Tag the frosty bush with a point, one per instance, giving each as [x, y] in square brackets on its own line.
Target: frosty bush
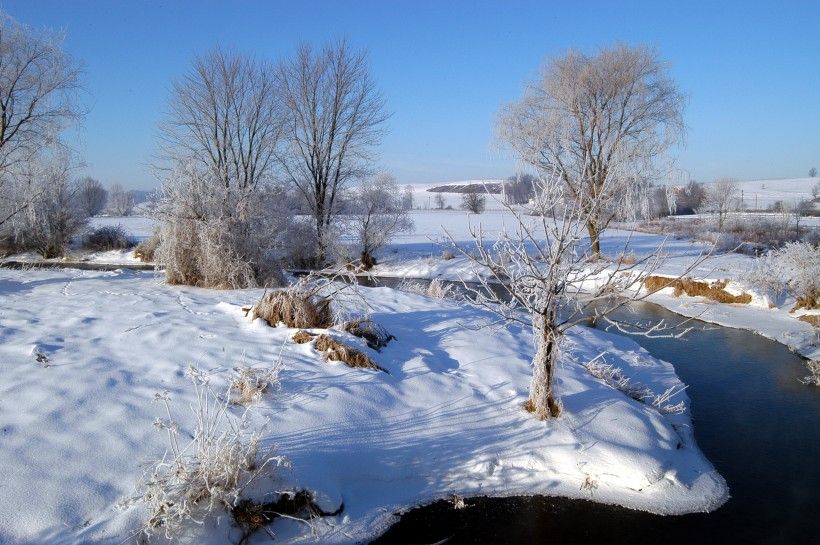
[437, 288]
[793, 269]
[212, 236]
[208, 474]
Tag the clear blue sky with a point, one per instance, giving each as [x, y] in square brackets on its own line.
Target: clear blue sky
[751, 71]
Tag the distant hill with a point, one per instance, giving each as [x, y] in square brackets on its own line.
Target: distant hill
[469, 186]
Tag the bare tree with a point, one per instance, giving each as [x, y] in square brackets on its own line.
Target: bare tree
[38, 87]
[92, 196]
[722, 197]
[812, 172]
[439, 200]
[378, 216]
[815, 191]
[540, 273]
[335, 115]
[600, 122]
[121, 202]
[473, 202]
[221, 138]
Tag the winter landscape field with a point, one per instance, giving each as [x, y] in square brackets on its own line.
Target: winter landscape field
[322, 287]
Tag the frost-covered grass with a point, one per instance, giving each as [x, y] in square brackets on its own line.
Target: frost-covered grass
[446, 420]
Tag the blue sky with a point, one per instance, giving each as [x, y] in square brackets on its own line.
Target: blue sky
[751, 71]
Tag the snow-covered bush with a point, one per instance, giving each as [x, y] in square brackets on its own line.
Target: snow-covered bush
[214, 236]
[793, 269]
[108, 237]
[208, 474]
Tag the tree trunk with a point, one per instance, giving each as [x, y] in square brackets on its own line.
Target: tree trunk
[594, 239]
[542, 400]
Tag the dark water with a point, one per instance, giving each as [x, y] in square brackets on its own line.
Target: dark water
[757, 424]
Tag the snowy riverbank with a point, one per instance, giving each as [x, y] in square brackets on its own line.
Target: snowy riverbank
[80, 373]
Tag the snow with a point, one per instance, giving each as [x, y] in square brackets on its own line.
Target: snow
[83, 352]
[761, 194]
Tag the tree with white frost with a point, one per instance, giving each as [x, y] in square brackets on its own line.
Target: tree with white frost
[334, 119]
[378, 214]
[39, 83]
[121, 201]
[601, 122]
[220, 138]
[439, 200]
[540, 273]
[722, 197]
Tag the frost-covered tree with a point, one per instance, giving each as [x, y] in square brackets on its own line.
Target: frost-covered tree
[378, 214]
[121, 201]
[540, 273]
[474, 202]
[57, 214]
[602, 122]
[812, 172]
[334, 118]
[815, 191]
[92, 196]
[39, 83]
[722, 197]
[221, 139]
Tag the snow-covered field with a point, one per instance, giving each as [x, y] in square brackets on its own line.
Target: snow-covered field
[761, 194]
[84, 352]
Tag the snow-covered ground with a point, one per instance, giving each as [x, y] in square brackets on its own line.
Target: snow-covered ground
[83, 353]
[761, 194]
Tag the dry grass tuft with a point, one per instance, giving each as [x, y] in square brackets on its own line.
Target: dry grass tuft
[302, 337]
[809, 300]
[294, 309]
[372, 333]
[337, 351]
[714, 291]
[145, 250]
[813, 319]
[251, 383]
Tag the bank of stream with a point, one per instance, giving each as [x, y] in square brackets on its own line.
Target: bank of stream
[753, 419]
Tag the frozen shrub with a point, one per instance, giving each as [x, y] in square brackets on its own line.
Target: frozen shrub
[793, 269]
[294, 307]
[209, 474]
[447, 255]
[112, 237]
[212, 236]
[146, 249]
[436, 288]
